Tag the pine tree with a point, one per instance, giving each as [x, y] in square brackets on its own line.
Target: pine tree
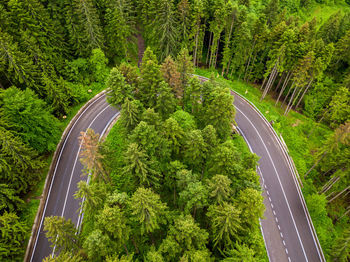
[147, 209]
[219, 112]
[219, 187]
[85, 30]
[90, 155]
[151, 78]
[166, 103]
[172, 76]
[29, 117]
[173, 132]
[98, 245]
[185, 68]
[185, 21]
[118, 88]
[13, 234]
[61, 233]
[329, 31]
[183, 235]
[165, 29]
[225, 224]
[139, 166]
[197, 30]
[131, 113]
[194, 151]
[341, 247]
[119, 27]
[17, 159]
[194, 197]
[250, 202]
[113, 221]
[15, 65]
[9, 201]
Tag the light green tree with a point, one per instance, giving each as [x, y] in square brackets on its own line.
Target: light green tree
[61, 233]
[225, 224]
[13, 234]
[118, 88]
[219, 187]
[147, 209]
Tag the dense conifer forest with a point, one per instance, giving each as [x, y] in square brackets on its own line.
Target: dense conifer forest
[162, 175]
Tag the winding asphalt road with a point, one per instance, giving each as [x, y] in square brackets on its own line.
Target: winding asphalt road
[286, 227]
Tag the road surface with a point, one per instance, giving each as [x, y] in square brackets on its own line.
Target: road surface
[286, 228]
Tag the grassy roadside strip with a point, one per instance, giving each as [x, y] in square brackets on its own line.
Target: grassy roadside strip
[295, 131]
[32, 199]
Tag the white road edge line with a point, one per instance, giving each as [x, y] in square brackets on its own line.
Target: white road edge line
[54, 174]
[262, 231]
[75, 162]
[309, 221]
[307, 215]
[81, 215]
[279, 180]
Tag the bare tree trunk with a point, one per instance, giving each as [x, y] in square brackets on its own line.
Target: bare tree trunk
[318, 161]
[302, 96]
[135, 245]
[268, 82]
[347, 211]
[196, 45]
[217, 53]
[263, 83]
[248, 63]
[285, 84]
[290, 101]
[285, 98]
[294, 100]
[227, 44]
[228, 65]
[271, 83]
[211, 35]
[126, 250]
[339, 194]
[251, 68]
[280, 81]
[329, 184]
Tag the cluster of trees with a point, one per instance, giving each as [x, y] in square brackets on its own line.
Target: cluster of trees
[53, 52]
[181, 190]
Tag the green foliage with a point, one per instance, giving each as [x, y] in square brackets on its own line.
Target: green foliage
[61, 233]
[219, 112]
[13, 234]
[147, 209]
[98, 64]
[118, 89]
[323, 224]
[97, 245]
[225, 224]
[28, 116]
[131, 113]
[184, 235]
